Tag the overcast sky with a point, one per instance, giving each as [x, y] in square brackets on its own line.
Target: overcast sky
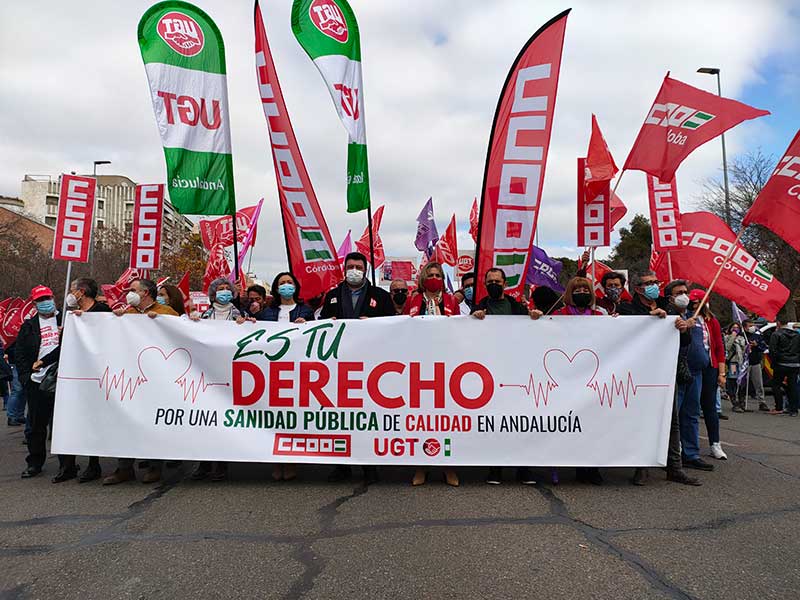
[73, 90]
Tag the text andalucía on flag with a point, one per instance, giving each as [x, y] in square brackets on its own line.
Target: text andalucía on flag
[517, 157]
[309, 245]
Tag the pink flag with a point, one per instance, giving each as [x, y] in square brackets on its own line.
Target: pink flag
[346, 247]
[248, 239]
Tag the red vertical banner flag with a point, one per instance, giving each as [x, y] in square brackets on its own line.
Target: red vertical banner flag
[777, 206]
[311, 253]
[148, 219]
[681, 119]
[73, 235]
[594, 214]
[362, 245]
[446, 251]
[473, 221]
[665, 214]
[517, 157]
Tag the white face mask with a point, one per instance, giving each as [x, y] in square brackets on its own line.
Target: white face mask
[72, 301]
[133, 298]
[751, 330]
[354, 276]
[681, 301]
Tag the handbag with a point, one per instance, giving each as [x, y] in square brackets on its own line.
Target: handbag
[683, 375]
[49, 380]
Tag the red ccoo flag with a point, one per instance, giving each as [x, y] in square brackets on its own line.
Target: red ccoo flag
[681, 119]
[777, 207]
[600, 166]
[706, 242]
[362, 245]
[446, 251]
[618, 210]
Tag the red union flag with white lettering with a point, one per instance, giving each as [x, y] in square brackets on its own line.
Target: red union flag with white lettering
[220, 231]
[681, 119]
[665, 214]
[778, 205]
[312, 255]
[148, 218]
[73, 234]
[706, 243]
[517, 156]
[594, 214]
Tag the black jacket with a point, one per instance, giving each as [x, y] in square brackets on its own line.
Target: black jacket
[375, 302]
[517, 308]
[784, 347]
[27, 347]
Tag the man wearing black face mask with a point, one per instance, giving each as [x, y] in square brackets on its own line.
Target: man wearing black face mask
[497, 303]
[399, 291]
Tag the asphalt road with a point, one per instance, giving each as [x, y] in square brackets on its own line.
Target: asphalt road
[737, 536]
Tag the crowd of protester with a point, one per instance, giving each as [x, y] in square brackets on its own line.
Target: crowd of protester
[711, 365]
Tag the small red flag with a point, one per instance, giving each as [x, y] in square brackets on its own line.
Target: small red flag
[183, 286]
[681, 119]
[473, 221]
[446, 251]
[362, 245]
[618, 209]
[600, 166]
[777, 207]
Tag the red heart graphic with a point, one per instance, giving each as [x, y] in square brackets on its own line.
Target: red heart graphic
[154, 358]
[555, 367]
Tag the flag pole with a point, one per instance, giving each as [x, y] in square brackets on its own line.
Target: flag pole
[371, 242]
[66, 287]
[616, 185]
[669, 266]
[719, 272]
[236, 251]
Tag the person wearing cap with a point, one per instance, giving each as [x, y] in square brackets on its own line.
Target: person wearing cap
[38, 337]
[142, 299]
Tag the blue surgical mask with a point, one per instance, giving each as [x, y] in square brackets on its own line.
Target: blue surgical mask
[224, 296]
[286, 290]
[469, 293]
[651, 291]
[161, 300]
[46, 307]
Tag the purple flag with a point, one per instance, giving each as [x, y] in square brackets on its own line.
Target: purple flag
[543, 270]
[427, 236]
[346, 247]
[248, 239]
[738, 315]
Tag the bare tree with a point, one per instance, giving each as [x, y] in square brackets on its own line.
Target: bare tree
[748, 173]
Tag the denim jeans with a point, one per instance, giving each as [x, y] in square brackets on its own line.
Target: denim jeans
[689, 416]
[16, 401]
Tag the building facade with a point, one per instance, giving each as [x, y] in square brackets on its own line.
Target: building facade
[115, 199]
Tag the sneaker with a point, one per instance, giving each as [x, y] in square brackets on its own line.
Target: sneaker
[717, 452]
[698, 463]
[723, 417]
[679, 476]
[763, 407]
[776, 411]
[120, 476]
[525, 477]
[737, 409]
[495, 476]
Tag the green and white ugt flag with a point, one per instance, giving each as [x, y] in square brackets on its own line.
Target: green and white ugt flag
[184, 58]
[327, 30]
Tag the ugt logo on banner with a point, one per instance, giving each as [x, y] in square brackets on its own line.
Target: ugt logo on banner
[73, 235]
[148, 217]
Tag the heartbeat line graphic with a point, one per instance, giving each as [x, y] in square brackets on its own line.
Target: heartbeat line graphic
[540, 391]
[621, 388]
[126, 386]
[191, 387]
[557, 364]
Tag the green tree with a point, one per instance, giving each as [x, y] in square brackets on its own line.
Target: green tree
[191, 256]
[632, 252]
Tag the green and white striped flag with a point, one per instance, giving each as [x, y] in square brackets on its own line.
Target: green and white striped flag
[184, 57]
[327, 30]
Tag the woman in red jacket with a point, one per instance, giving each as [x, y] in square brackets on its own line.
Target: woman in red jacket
[713, 375]
[579, 302]
[430, 299]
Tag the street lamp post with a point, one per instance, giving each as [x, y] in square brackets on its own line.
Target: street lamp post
[94, 217]
[715, 71]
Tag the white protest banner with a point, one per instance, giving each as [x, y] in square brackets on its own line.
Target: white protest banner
[563, 391]
[148, 220]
